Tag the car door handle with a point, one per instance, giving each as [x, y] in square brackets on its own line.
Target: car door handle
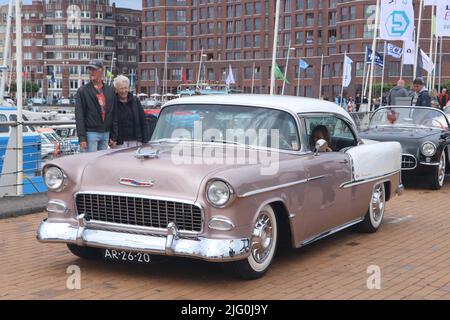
[344, 162]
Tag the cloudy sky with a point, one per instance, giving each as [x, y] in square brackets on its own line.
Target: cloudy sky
[134, 4]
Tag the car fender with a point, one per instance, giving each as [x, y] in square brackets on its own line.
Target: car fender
[375, 160]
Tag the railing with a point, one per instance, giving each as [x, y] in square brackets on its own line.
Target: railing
[35, 153]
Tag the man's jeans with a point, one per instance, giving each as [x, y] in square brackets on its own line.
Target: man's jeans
[97, 141]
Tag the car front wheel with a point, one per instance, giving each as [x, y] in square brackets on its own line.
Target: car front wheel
[375, 214]
[438, 176]
[263, 244]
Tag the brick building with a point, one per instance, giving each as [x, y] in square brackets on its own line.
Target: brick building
[58, 47]
[240, 33]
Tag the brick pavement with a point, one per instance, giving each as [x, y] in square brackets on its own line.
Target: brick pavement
[411, 248]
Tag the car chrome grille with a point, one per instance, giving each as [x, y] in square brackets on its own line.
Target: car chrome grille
[409, 162]
[142, 212]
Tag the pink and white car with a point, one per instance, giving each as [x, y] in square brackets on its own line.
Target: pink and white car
[224, 179]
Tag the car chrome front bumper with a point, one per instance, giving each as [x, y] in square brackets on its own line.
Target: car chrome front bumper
[215, 250]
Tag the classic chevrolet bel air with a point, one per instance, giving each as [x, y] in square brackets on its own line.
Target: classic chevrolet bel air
[224, 179]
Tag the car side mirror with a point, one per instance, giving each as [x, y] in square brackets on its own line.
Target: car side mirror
[321, 146]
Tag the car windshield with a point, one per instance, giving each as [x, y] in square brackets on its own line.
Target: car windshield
[250, 126]
[409, 117]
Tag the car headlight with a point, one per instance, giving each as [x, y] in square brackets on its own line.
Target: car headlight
[219, 193]
[428, 149]
[54, 178]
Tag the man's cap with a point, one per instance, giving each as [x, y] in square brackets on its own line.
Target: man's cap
[96, 64]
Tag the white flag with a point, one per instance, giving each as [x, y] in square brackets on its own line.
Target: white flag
[230, 78]
[427, 64]
[410, 52]
[443, 18]
[394, 51]
[347, 74]
[397, 20]
[430, 3]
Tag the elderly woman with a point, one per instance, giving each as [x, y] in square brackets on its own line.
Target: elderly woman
[133, 129]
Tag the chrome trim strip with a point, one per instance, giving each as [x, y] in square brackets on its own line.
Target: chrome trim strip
[330, 232]
[431, 164]
[355, 183]
[214, 250]
[280, 186]
[131, 227]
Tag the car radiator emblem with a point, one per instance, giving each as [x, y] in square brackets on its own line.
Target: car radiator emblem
[136, 183]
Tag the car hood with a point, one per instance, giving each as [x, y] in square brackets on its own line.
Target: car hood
[400, 134]
[172, 175]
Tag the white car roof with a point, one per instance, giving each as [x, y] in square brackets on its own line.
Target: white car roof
[289, 103]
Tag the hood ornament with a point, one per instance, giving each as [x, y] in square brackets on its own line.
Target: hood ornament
[135, 183]
[152, 154]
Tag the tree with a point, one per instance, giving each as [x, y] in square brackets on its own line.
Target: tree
[27, 86]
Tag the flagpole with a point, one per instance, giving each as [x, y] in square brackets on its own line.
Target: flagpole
[374, 48]
[298, 78]
[382, 76]
[402, 61]
[369, 67]
[7, 49]
[286, 68]
[419, 27]
[440, 64]
[429, 76]
[274, 50]
[19, 97]
[165, 70]
[364, 72]
[436, 42]
[199, 68]
[253, 77]
[321, 78]
[342, 87]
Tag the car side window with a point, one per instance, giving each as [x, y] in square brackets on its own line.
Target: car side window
[334, 130]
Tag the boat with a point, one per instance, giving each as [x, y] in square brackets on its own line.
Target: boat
[187, 90]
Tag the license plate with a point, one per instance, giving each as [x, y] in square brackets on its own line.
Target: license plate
[126, 256]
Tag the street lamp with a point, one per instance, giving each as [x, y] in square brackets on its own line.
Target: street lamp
[287, 65]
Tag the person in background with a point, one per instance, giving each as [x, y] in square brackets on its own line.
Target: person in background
[421, 96]
[132, 125]
[358, 102]
[435, 99]
[398, 91]
[95, 111]
[443, 99]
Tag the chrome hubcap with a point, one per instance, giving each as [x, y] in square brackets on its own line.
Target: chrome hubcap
[378, 203]
[441, 170]
[262, 238]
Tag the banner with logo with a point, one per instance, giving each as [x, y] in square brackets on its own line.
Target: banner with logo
[379, 61]
[347, 75]
[397, 20]
[410, 52]
[394, 51]
[443, 19]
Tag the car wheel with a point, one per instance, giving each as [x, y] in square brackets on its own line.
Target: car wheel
[263, 244]
[375, 214]
[85, 252]
[438, 177]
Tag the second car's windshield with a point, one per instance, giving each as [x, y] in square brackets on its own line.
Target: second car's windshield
[251, 126]
[407, 117]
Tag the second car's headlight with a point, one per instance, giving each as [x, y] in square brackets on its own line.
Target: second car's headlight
[54, 178]
[219, 193]
[428, 149]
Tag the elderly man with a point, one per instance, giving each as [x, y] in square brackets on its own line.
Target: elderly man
[95, 111]
[132, 125]
[421, 96]
[398, 91]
